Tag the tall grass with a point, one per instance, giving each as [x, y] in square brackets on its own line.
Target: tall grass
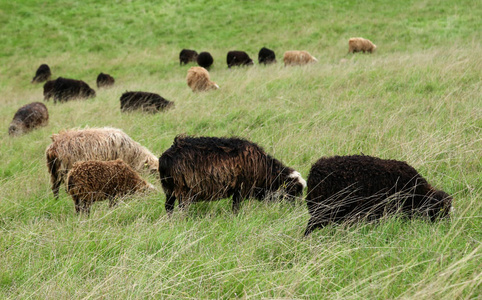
[417, 99]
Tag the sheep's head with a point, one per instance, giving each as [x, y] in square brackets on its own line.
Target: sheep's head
[441, 204]
[294, 184]
[16, 128]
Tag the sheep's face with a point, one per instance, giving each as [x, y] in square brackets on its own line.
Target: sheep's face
[295, 184]
[442, 204]
[15, 130]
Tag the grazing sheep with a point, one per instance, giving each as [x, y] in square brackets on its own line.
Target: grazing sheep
[266, 56]
[49, 90]
[198, 80]
[43, 74]
[105, 80]
[29, 117]
[298, 58]
[186, 56]
[344, 188]
[361, 45]
[144, 101]
[103, 144]
[205, 60]
[210, 168]
[238, 58]
[67, 89]
[91, 181]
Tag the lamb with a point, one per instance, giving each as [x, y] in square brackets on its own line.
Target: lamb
[361, 45]
[266, 56]
[186, 56]
[105, 80]
[205, 60]
[91, 181]
[238, 58]
[43, 74]
[298, 58]
[198, 80]
[28, 117]
[349, 188]
[102, 144]
[144, 101]
[209, 168]
[49, 90]
[67, 89]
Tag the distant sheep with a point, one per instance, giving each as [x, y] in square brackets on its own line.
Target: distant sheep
[144, 101]
[198, 80]
[344, 188]
[67, 89]
[43, 74]
[91, 181]
[29, 117]
[49, 90]
[186, 56]
[205, 60]
[297, 58]
[208, 168]
[266, 56]
[104, 80]
[361, 45]
[238, 58]
[102, 144]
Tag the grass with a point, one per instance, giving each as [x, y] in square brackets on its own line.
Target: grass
[418, 99]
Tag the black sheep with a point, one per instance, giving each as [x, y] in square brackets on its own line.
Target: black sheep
[266, 56]
[186, 56]
[145, 101]
[65, 89]
[342, 188]
[43, 74]
[210, 168]
[205, 60]
[105, 80]
[238, 58]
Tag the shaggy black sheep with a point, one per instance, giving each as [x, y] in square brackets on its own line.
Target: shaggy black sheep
[43, 74]
[186, 56]
[266, 56]
[210, 168]
[144, 101]
[205, 60]
[344, 188]
[238, 58]
[29, 117]
[105, 80]
[65, 89]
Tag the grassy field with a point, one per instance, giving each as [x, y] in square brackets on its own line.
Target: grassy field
[417, 99]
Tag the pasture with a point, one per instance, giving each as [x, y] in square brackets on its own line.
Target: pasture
[418, 98]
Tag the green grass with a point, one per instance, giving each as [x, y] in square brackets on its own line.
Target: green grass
[418, 99]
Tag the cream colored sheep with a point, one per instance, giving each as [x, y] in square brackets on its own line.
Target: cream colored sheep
[361, 45]
[198, 80]
[297, 58]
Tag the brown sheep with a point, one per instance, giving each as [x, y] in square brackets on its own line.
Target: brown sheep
[198, 80]
[29, 117]
[103, 144]
[361, 45]
[298, 58]
[91, 181]
[350, 188]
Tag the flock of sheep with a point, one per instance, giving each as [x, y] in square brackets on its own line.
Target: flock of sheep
[105, 163]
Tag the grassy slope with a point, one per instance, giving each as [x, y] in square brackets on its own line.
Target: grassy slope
[417, 99]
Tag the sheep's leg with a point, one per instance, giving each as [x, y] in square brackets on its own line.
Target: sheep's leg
[77, 204]
[170, 201]
[237, 198]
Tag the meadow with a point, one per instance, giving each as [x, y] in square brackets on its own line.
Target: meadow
[417, 99]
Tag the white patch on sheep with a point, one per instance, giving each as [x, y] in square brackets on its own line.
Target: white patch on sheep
[217, 86]
[296, 174]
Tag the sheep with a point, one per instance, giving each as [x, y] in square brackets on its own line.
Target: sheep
[210, 168]
[294, 58]
[28, 117]
[205, 60]
[266, 56]
[186, 56]
[103, 144]
[49, 90]
[43, 74]
[144, 101]
[198, 80]
[349, 188]
[91, 181]
[361, 45]
[238, 58]
[105, 80]
[67, 89]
